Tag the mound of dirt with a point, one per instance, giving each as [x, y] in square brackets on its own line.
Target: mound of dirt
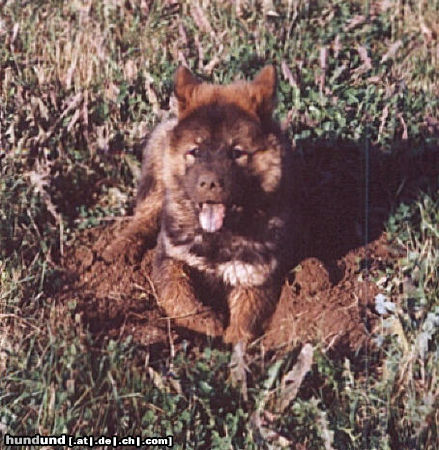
[340, 316]
[117, 300]
[113, 300]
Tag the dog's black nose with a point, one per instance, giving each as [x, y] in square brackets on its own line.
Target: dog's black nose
[210, 183]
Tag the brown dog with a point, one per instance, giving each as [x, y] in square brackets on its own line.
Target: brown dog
[213, 187]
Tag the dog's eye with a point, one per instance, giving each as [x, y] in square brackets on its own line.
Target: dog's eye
[195, 152]
[238, 153]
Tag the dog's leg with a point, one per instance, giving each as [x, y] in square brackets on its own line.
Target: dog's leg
[140, 232]
[177, 298]
[249, 308]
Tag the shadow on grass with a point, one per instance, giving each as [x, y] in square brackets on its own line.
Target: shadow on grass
[349, 190]
[347, 194]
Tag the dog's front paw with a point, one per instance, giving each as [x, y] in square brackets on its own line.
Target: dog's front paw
[128, 249]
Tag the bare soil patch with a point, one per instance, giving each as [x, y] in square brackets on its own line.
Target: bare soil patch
[113, 300]
[339, 315]
[118, 299]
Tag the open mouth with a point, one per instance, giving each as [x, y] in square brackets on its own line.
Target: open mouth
[211, 216]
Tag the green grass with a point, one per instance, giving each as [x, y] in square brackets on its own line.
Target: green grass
[81, 84]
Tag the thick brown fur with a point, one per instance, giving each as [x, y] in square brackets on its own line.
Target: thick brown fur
[213, 188]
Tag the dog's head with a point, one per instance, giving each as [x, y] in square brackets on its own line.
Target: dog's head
[224, 153]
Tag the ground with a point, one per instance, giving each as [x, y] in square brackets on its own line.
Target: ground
[118, 299]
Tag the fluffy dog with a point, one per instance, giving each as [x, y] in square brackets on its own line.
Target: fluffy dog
[213, 192]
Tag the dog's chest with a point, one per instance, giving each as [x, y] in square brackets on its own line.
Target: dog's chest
[235, 261]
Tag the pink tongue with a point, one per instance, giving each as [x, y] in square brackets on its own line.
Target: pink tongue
[212, 216]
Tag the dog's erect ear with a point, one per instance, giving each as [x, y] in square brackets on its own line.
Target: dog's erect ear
[257, 96]
[264, 91]
[184, 84]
